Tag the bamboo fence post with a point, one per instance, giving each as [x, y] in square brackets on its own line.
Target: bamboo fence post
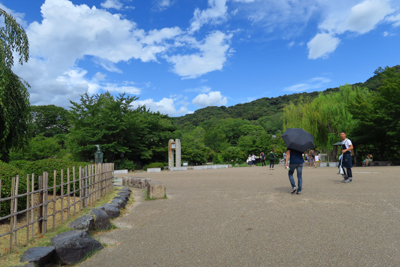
[45, 200]
[54, 198]
[69, 197]
[80, 187]
[27, 207]
[93, 184]
[16, 208]
[62, 195]
[98, 181]
[86, 185]
[73, 175]
[40, 202]
[11, 212]
[32, 204]
[90, 184]
[0, 195]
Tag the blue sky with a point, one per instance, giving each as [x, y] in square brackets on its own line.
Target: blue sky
[180, 55]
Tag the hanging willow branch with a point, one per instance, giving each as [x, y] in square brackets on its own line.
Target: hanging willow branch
[14, 96]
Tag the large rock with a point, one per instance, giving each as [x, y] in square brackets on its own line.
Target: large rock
[125, 189]
[73, 246]
[121, 204]
[123, 198]
[137, 182]
[101, 219]
[39, 256]
[85, 223]
[112, 210]
[126, 194]
[156, 190]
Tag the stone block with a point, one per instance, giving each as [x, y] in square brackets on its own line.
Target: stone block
[112, 210]
[333, 164]
[101, 219]
[73, 246]
[156, 190]
[84, 223]
[154, 170]
[175, 169]
[137, 182]
[120, 171]
[121, 204]
[39, 256]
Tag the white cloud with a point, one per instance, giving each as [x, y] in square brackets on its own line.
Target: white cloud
[19, 17]
[291, 44]
[211, 99]
[244, 1]
[56, 47]
[116, 4]
[313, 83]
[216, 13]
[212, 56]
[322, 45]
[395, 19]
[164, 4]
[164, 106]
[386, 34]
[202, 89]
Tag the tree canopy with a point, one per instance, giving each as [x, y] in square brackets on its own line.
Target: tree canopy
[14, 96]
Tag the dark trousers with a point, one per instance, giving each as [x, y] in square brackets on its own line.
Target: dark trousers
[271, 163]
[263, 163]
[348, 173]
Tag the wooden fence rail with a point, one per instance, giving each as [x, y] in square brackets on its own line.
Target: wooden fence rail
[94, 181]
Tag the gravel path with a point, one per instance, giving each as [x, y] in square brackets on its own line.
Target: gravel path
[247, 217]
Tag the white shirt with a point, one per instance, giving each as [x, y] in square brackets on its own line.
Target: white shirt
[347, 143]
[253, 157]
[316, 158]
[284, 155]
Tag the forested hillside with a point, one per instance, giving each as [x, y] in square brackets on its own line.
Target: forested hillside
[264, 110]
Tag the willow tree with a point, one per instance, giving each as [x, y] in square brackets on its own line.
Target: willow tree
[325, 116]
[14, 96]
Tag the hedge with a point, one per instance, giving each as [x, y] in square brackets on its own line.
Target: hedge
[7, 172]
[155, 165]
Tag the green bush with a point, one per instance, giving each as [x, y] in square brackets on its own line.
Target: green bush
[154, 165]
[7, 172]
[49, 165]
[137, 167]
[124, 165]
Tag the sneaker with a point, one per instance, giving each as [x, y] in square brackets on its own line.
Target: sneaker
[298, 193]
[348, 180]
[294, 189]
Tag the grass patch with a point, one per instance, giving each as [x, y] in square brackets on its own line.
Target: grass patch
[8, 259]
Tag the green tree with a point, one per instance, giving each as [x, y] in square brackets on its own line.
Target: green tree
[378, 113]
[325, 116]
[39, 147]
[49, 120]
[193, 148]
[215, 139]
[14, 96]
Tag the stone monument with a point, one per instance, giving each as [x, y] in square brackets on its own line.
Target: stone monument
[98, 156]
[174, 150]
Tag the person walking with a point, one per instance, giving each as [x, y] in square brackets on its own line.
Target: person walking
[249, 161]
[262, 155]
[296, 163]
[271, 157]
[347, 146]
[253, 159]
[311, 157]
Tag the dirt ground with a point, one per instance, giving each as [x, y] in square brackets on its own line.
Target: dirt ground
[247, 217]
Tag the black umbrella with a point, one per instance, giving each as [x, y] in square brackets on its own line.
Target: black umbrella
[298, 139]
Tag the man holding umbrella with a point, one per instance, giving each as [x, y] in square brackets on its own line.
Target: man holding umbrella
[297, 141]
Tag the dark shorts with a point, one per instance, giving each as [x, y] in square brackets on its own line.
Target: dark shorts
[347, 161]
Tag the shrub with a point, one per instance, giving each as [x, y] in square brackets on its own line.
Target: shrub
[49, 165]
[137, 167]
[125, 165]
[154, 165]
[7, 172]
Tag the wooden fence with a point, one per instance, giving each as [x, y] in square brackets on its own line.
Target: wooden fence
[94, 182]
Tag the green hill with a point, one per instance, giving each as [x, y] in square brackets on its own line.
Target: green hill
[263, 109]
